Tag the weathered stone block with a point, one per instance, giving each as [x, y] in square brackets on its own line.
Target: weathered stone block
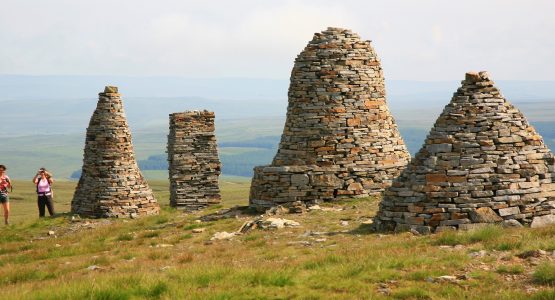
[472, 226]
[478, 194]
[439, 148]
[434, 178]
[111, 89]
[329, 180]
[543, 221]
[509, 211]
[299, 179]
[454, 222]
[484, 215]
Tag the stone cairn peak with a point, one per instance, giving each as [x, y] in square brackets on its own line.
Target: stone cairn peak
[481, 163]
[340, 139]
[111, 184]
[194, 166]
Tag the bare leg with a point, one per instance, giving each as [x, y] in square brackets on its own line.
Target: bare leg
[6, 207]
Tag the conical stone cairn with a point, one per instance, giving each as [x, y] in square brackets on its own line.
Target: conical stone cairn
[111, 184]
[481, 163]
[340, 139]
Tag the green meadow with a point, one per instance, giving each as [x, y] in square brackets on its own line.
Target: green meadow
[332, 255]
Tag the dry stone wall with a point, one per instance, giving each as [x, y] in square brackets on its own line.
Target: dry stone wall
[111, 184]
[194, 166]
[481, 163]
[340, 139]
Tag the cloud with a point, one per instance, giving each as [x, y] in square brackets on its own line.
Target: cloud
[426, 40]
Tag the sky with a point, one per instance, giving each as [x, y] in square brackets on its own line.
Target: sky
[426, 40]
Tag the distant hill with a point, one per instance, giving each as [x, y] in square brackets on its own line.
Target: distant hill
[44, 117]
[63, 104]
[63, 153]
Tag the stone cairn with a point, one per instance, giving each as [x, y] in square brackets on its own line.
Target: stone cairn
[340, 139]
[111, 184]
[194, 166]
[481, 163]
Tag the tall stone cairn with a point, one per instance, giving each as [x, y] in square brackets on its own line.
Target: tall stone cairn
[194, 166]
[340, 139]
[111, 184]
[481, 163]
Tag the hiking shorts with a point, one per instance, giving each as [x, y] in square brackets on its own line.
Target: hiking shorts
[4, 198]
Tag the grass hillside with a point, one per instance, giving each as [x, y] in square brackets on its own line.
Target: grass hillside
[331, 255]
[63, 153]
[243, 145]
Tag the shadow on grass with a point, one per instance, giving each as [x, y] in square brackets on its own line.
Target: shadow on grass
[228, 213]
[66, 215]
[364, 229]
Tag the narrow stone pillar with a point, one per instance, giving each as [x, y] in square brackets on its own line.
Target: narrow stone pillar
[194, 166]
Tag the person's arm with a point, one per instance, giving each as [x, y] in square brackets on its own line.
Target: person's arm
[36, 178]
[50, 181]
[9, 183]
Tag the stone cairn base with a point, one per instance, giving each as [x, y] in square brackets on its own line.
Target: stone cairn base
[111, 184]
[313, 184]
[481, 163]
[194, 166]
[339, 139]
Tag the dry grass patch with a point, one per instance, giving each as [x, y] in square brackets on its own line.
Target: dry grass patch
[545, 273]
[160, 257]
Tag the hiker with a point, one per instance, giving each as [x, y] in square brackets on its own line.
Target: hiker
[43, 180]
[5, 183]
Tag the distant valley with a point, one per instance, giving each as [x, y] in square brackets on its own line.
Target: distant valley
[45, 117]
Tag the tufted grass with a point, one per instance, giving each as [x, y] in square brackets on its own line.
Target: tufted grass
[413, 293]
[512, 269]
[159, 257]
[486, 234]
[544, 295]
[545, 273]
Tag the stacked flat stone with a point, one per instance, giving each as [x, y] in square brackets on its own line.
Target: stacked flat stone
[481, 163]
[340, 139]
[111, 184]
[194, 166]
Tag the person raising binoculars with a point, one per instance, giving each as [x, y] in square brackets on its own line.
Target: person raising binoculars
[43, 180]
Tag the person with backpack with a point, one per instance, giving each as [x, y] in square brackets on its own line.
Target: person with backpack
[5, 183]
[43, 180]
